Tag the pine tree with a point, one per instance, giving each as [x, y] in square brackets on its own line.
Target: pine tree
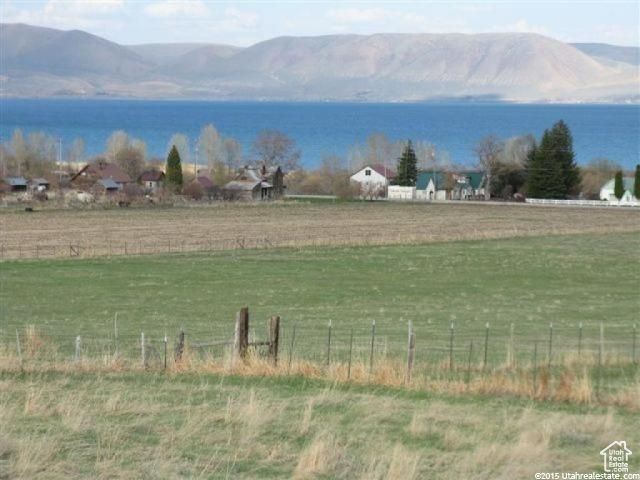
[636, 187]
[173, 175]
[618, 186]
[407, 167]
[562, 151]
[544, 170]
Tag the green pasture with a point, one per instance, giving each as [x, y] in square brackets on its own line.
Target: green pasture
[528, 282]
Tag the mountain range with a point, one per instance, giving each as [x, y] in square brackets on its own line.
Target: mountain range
[516, 67]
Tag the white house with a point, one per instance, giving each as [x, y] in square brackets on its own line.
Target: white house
[373, 177]
[606, 192]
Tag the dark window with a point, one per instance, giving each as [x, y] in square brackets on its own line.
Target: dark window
[367, 172]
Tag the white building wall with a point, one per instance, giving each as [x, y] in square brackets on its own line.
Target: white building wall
[371, 179]
[396, 192]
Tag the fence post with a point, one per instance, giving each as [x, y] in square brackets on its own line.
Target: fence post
[633, 346]
[580, 340]
[550, 343]
[115, 332]
[243, 331]
[274, 338]
[293, 339]
[486, 345]
[180, 346]
[165, 350]
[373, 341]
[19, 350]
[600, 356]
[411, 345]
[329, 344]
[512, 356]
[535, 368]
[468, 378]
[76, 358]
[350, 353]
[451, 330]
[143, 351]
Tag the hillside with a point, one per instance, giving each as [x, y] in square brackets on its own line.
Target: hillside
[382, 67]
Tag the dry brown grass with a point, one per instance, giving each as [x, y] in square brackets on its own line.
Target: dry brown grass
[232, 226]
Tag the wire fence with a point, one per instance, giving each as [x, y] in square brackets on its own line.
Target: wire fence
[442, 347]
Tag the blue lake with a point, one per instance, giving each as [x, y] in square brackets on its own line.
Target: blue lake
[611, 131]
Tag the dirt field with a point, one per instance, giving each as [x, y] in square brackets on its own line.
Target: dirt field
[229, 226]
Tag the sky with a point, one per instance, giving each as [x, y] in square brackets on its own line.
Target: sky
[244, 23]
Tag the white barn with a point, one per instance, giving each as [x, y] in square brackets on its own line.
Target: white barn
[373, 176]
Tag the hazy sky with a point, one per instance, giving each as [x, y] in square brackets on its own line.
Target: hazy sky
[247, 22]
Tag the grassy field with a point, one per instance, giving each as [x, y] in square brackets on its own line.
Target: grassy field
[530, 282]
[224, 226]
[128, 425]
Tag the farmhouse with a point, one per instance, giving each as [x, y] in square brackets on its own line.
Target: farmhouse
[256, 183]
[151, 180]
[91, 173]
[373, 177]
[607, 191]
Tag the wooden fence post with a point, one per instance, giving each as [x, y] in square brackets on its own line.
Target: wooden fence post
[165, 350]
[274, 338]
[180, 346]
[451, 330]
[550, 343]
[329, 344]
[411, 345]
[580, 339]
[76, 357]
[373, 342]
[600, 357]
[633, 345]
[350, 353]
[143, 351]
[243, 332]
[535, 368]
[18, 349]
[486, 345]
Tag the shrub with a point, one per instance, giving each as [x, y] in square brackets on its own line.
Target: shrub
[193, 190]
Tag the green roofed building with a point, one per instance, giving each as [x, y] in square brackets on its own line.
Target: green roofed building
[439, 185]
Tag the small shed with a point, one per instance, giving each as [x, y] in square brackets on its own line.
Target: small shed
[108, 186]
[16, 184]
[39, 184]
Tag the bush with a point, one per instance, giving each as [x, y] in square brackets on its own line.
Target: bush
[193, 190]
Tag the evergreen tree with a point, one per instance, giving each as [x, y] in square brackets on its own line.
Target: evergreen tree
[562, 151]
[173, 175]
[636, 187]
[544, 171]
[618, 186]
[407, 167]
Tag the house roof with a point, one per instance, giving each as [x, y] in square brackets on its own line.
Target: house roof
[388, 173]
[423, 180]
[40, 181]
[205, 181]
[242, 185]
[16, 181]
[105, 170]
[108, 183]
[152, 176]
[627, 182]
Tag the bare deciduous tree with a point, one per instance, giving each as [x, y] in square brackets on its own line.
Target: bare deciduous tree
[595, 174]
[76, 153]
[489, 152]
[273, 147]
[210, 148]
